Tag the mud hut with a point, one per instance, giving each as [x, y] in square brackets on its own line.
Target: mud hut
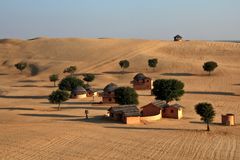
[141, 82]
[128, 114]
[172, 111]
[178, 38]
[79, 92]
[153, 108]
[228, 119]
[108, 95]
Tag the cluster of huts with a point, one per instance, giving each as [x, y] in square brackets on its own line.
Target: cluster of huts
[131, 114]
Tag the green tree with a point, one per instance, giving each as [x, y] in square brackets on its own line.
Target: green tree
[210, 66]
[124, 64]
[69, 83]
[21, 66]
[59, 96]
[88, 77]
[71, 70]
[54, 78]
[152, 63]
[126, 95]
[207, 113]
[168, 89]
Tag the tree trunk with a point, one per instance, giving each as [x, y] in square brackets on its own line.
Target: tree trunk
[208, 128]
[54, 84]
[86, 116]
[122, 70]
[59, 107]
[209, 73]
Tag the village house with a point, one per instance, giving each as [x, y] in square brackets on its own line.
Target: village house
[153, 108]
[79, 92]
[128, 114]
[108, 95]
[91, 92]
[172, 111]
[178, 38]
[141, 82]
[228, 119]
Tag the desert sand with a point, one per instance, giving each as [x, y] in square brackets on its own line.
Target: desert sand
[32, 129]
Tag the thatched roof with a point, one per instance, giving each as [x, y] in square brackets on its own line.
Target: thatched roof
[139, 76]
[79, 90]
[178, 37]
[126, 110]
[178, 106]
[158, 103]
[110, 87]
[90, 89]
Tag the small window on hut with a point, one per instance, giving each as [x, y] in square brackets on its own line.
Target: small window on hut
[110, 99]
[172, 111]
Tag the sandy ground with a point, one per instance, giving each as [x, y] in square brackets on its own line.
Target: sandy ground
[32, 129]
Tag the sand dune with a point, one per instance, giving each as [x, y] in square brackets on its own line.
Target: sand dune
[32, 129]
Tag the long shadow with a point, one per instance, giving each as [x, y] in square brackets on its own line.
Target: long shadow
[178, 74]
[236, 84]
[117, 72]
[50, 115]
[212, 93]
[3, 74]
[34, 86]
[77, 103]
[24, 97]
[31, 81]
[157, 129]
[17, 108]
[80, 103]
[96, 120]
[85, 107]
[198, 122]
[30, 86]
[81, 74]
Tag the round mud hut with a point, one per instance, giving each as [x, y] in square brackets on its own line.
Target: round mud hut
[79, 93]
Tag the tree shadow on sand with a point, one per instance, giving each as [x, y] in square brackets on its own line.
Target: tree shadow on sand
[82, 107]
[31, 81]
[82, 103]
[156, 129]
[50, 115]
[178, 74]
[3, 74]
[81, 74]
[24, 97]
[17, 108]
[117, 72]
[214, 123]
[96, 120]
[212, 93]
[34, 86]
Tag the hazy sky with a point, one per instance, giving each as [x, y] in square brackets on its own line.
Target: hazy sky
[151, 19]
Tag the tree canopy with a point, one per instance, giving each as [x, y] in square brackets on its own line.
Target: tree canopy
[21, 66]
[126, 95]
[124, 64]
[88, 77]
[168, 89]
[59, 96]
[152, 63]
[71, 70]
[206, 111]
[54, 78]
[210, 66]
[69, 83]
